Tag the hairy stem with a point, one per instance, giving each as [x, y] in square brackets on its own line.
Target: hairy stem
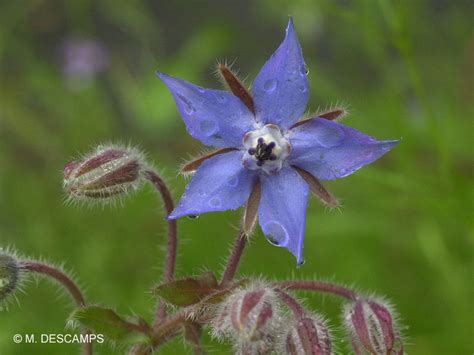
[67, 282]
[318, 286]
[170, 261]
[233, 262]
[165, 193]
[292, 303]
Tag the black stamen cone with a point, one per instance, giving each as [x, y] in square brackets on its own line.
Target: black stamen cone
[263, 151]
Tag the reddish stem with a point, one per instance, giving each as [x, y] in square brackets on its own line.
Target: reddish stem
[234, 258]
[318, 286]
[64, 280]
[160, 185]
[170, 261]
[292, 303]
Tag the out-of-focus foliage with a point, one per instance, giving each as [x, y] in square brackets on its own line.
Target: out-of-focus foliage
[405, 228]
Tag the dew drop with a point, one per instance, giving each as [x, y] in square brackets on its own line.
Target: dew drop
[215, 202]
[221, 97]
[304, 70]
[329, 135]
[233, 181]
[277, 234]
[273, 241]
[368, 154]
[303, 88]
[193, 216]
[208, 127]
[201, 90]
[201, 192]
[301, 263]
[270, 85]
[188, 106]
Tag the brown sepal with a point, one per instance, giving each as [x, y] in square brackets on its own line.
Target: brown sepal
[330, 115]
[251, 209]
[191, 166]
[236, 86]
[318, 189]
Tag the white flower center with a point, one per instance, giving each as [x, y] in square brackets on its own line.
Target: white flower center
[266, 148]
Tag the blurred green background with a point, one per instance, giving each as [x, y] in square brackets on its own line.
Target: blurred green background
[77, 73]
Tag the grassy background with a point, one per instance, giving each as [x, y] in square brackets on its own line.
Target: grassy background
[405, 230]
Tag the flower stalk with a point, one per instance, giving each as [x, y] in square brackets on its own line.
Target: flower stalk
[172, 245]
[234, 258]
[65, 281]
[319, 286]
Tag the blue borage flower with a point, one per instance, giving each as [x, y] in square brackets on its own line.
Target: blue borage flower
[266, 158]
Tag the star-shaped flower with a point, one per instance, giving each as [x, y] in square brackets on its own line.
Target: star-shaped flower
[268, 159]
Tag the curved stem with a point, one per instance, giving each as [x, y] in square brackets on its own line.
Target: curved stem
[292, 303]
[318, 286]
[58, 275]
[234, 258]
[66, 282]
[170, 261]
[165, 193]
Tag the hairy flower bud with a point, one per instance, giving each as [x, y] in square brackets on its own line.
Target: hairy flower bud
[308, 335]
[250, 317]
[8, 275]
[372, 329]
[108, 172]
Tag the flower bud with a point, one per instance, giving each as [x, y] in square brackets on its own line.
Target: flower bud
[8, 275]
[250, 317]
[109, 171]
[372, 329]
[308, 335]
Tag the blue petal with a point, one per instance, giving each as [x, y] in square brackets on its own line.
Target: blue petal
[282, 211]
[221, 183]
[215, 117]
[281, 89]
[330, 150]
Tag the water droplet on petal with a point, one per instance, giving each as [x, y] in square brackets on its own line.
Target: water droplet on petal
[273, 241]
[329, 135]
[233, 181]
[270, 85]
[201, 192]
[215, 202]
[193, 216]
[303, 88]
[221, 97]
[188, 106]
[368, 154]
[201, 90]
[301, 263]
[208, 127]
[277, 234]
[304, 70]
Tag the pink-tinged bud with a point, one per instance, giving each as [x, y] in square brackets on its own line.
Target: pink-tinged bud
[108, 172]
[372, 328]
[250, 317]
[9, 275]
[308, 335]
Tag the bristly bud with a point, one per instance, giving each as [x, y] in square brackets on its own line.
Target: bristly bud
[308, 335]
[372, 329]
[251, 318]
[9, 275]
[107, 172]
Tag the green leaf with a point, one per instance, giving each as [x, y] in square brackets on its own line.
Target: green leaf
[221, 295]
[105, 321]
[187, 291]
